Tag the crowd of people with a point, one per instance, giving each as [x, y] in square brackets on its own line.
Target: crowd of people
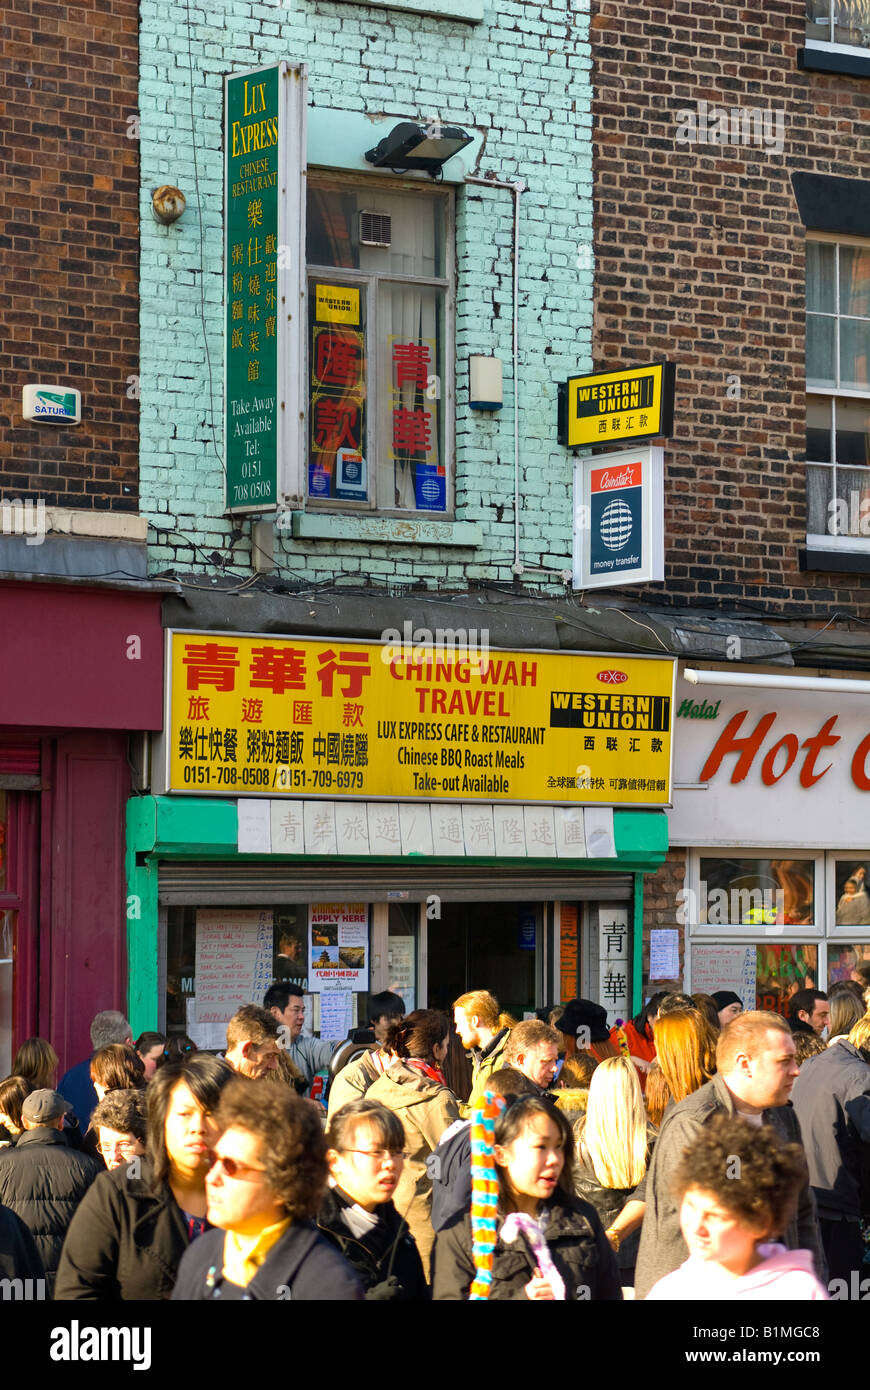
[697, 1151]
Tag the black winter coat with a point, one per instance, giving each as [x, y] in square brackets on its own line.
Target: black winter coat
[388, 1249]
[125, 1242]
[19, 1257]
[578, 1246]
[43, 1181]
[301, 1265]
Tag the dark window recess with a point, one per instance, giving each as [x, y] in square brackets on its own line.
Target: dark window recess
[835, 561]
[821, 60]
[830, 204]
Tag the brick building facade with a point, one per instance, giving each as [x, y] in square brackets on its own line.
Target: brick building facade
[700, 256]
[68, 282]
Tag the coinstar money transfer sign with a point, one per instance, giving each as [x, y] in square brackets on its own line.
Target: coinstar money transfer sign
[263, 715]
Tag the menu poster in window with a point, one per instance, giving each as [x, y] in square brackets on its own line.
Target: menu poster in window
[336, 1014]
[401, 967]
[233, 966]
[338, 937]
[664, 953]
[725, 967]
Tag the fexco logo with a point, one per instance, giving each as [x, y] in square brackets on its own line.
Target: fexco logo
[612, 677]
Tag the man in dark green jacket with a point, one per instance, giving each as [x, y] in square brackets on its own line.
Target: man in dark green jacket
[756, 1071]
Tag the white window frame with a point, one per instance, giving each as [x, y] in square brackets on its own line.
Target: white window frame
[370, 282]
[826, 540]
[708, 931]
[823, 933]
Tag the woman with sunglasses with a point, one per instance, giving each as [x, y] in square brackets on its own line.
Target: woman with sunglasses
[134, 1224]
[264, 1187]
[366, 1157]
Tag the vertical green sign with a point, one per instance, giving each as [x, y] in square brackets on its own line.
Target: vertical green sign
[251, 240]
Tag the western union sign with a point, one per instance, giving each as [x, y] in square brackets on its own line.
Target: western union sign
[613, 407]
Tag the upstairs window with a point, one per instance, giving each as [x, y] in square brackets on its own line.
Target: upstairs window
[379, 343]
[838, 392]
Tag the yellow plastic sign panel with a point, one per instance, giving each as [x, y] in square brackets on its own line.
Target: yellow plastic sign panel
[337, 304]
[610, 407]
[271, 716]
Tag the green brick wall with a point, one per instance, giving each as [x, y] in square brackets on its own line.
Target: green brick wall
[523, 74]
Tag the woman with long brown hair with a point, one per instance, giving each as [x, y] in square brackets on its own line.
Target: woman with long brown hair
[37, 1060]
[686, 1047]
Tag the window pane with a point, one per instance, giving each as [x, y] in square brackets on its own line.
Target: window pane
[821, 365]
[853, 898]
[818, 429]
[855, 281]
[854, 354]
[853, 433]
[337, 391]
[780, 971]
[852, 516]
[412, 224]
[412, 472]
[819, 20]
[402, 952]
[851, 23]
[754, 892]
[820, 519]
[842, 960]
[821, 271]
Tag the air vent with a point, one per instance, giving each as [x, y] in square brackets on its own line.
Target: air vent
[375, 228]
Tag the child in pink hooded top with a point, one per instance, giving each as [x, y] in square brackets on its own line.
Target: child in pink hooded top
[738, 1184]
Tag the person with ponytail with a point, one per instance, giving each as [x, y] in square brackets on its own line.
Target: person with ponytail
[414, 1088]
[527, 1235]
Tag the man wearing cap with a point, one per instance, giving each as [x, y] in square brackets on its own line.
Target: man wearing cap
[42, 1179]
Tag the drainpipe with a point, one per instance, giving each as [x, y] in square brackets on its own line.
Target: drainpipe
[517, 187]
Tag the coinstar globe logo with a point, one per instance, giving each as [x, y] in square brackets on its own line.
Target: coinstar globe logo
[616, 524]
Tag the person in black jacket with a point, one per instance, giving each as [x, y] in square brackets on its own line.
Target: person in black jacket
[549, 1244]
[41, 1179]
[264, 1188]
[366, 1143]
[20, 1264]
[134, 1225]
[451, 1161]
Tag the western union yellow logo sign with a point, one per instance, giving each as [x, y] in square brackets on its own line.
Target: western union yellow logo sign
[614, 407]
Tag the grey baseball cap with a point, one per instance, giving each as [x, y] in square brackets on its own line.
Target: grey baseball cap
[44, 1107]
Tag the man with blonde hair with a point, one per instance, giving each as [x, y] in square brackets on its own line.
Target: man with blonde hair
[756, 1070]
[483, 1032]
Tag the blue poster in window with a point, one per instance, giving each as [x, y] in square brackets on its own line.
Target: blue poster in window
[430, 488]
[526, 930]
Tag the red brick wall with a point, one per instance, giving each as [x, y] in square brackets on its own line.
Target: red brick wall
[700, 258]
[69, 239]
[660, 905]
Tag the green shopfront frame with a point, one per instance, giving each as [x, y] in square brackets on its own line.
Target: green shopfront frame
[163, 828]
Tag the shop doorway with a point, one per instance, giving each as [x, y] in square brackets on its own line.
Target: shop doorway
[490, 946]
